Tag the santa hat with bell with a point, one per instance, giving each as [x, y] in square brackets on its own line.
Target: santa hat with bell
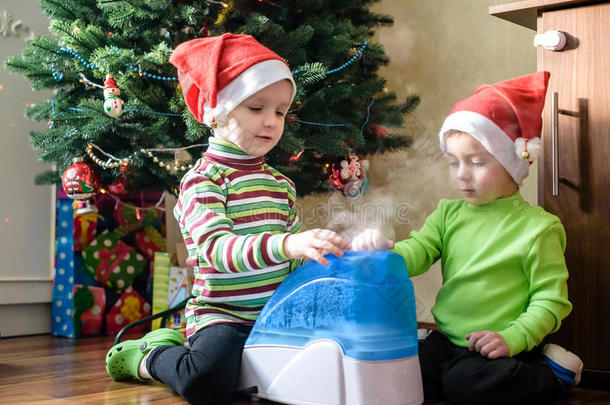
[506, 118]
[218, 73]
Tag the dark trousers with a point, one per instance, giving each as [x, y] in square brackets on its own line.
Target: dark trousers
[208, 372]
[461, 376]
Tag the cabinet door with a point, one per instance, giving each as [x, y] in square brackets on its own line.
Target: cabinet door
[581, 77]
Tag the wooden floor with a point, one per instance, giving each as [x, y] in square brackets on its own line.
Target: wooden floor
[48, 370]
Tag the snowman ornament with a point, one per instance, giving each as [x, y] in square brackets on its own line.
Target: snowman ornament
[114, 106]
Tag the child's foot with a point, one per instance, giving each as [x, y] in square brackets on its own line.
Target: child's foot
[123, 359]
[565, 365]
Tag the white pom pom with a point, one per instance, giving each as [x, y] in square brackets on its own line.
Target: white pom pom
[531, 152]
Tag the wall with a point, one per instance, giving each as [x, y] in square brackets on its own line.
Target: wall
[26, 211]
[441, 50]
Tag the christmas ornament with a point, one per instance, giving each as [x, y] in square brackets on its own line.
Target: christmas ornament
[113, 104]
[119, 187]
[84, 207]
[80, 181]
[348, 176]
[379, 130]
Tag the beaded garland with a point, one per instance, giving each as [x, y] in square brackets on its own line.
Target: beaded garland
[114, 162]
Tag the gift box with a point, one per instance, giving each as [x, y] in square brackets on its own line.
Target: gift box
[62, 323]
[129, 308]
[172, 285]
[85, 228]
[132, 218]
[161, 267]
[149, 241]
[178, 291]
[89, 308]
[112, 263]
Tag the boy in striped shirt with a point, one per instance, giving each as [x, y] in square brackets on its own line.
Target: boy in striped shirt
[237, 216]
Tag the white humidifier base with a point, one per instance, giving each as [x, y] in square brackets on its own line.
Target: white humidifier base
[319, 374]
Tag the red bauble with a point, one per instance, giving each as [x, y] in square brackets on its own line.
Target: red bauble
[119, 186]
[80, 181]
[346, 172]
[379, 130]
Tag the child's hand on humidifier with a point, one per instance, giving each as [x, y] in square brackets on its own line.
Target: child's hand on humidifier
[314, 245]
[371, 239]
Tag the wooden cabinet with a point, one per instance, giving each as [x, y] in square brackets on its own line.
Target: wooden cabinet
[580, 77]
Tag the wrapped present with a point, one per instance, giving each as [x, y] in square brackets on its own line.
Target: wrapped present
[149, 241]
[172, 285]
[178, 291]
[63, 285]
[129, 308]
[85, 228]
[132, 218]
[113, 263]
[161, 267]
[89, 307]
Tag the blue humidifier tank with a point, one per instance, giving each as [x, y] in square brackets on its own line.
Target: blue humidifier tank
[340, 334]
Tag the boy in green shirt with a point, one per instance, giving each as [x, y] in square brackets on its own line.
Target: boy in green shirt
[504, 274]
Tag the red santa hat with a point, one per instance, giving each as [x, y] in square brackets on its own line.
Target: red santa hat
[506, 118]
[218, 73]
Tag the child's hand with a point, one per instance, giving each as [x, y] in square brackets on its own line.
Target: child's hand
[314, 245]
[489, 344]
[371, 239]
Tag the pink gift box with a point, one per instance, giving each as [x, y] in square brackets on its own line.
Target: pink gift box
[129, 308]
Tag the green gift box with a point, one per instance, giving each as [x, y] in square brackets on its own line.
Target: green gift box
[112, 262]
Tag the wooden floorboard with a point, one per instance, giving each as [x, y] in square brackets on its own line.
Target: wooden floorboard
[50, 370]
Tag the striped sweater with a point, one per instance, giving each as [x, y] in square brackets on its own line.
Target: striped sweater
[234, 213]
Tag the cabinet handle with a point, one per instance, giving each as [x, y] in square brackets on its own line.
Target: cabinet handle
[551, 40]
[554, 144]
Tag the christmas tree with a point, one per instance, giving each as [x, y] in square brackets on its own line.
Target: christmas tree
[118, 105]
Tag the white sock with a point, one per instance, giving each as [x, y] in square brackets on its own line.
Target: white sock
[142, 370]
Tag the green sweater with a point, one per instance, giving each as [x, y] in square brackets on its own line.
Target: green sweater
[503, 269]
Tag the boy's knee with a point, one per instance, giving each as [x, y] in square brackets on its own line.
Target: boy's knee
[480, 381]
[467, 385]
[459, 388]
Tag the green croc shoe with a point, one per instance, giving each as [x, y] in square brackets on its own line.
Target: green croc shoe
[123, 359]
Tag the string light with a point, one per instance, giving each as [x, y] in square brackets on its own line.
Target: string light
[83, 79]
[118, 201]
[224, 5]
